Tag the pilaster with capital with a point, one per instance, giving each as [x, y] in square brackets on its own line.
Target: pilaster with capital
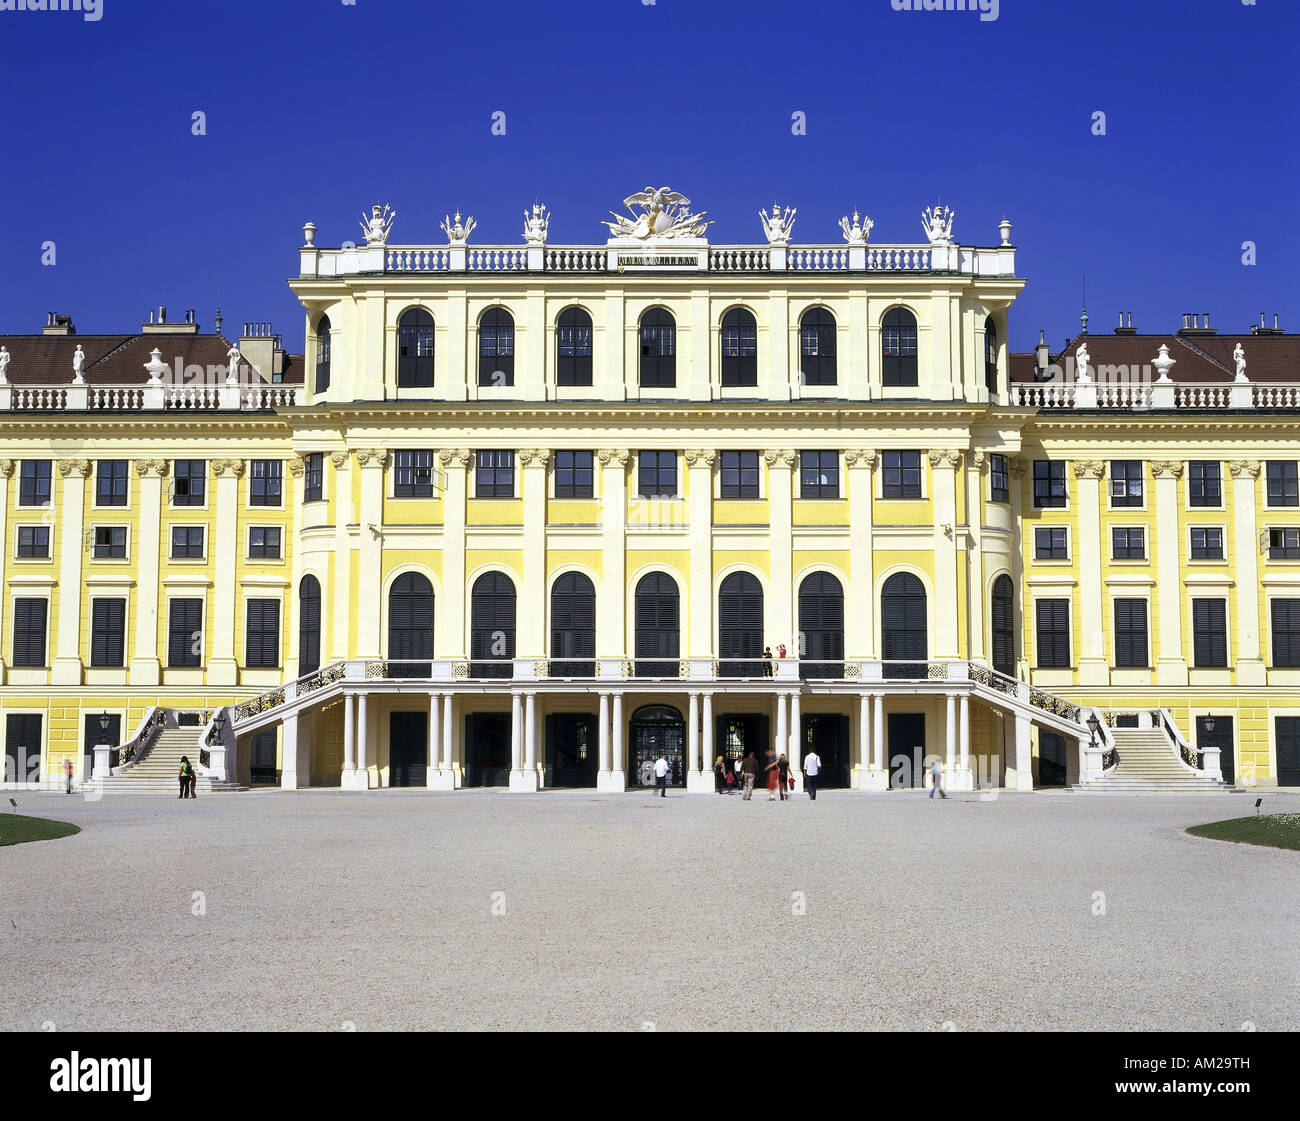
[612, 626]
[531, 621]
[943, 476]
[861, 640]
[292, 604]
[225, 548]
[783, 623]
[1250, 662]
[146, 668]
[1171, 659]
[1015, 491]
[67, 664]
[6, 473]
[344, 516]
[974, 496]
[1093, 667]
[455, 467]
[700, 468]
[370, 549]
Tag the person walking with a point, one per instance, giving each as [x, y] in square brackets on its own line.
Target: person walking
[661, 776]
[194, 782]
[67, 774]
[739, 776]
[749, 774]
[773, 775]
[185, 776]
[719, 775]
[812, 765]
[783, 769]
[936, 773]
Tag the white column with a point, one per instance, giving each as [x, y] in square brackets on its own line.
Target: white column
[289, 759]
[1021, 775]
[146, 669]
[617, 781]
[516, 735]
[349, 742]
[603, 736]
[1088, 552]
[795, 748]
[527, 780]
[943, 478]
[782, 743]
[700, 754]
[67, 659]
[224, 550]
[449, 741]
[964, 781]
[1171, 660]
[950, 736]
[694, 759]
[440, 775]
[878, 739]
[363, 734]
[1250, 663]
[861, 640]
[862, 762]
[782, 623]
[708, 726]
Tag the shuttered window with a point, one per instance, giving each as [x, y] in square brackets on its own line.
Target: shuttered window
[740, 625]
[573, 626]
[904, 638]
[185, 634]
[821, 625]
[1131, 634]
[108, 633]
[22, 747]
[657, 619]
[1052, 621]
[492, 625]
[308, 624]
[1210, 633]
[1285, 614]
[410, 625]
[1003, 626]
[1287, 730]
[262, 635]
[30, 617]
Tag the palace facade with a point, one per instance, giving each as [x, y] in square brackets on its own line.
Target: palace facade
[533, 515]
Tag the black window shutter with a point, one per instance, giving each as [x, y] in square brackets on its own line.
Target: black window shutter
[308, 625]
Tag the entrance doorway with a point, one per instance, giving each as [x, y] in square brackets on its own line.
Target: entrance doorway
[735, 735]
[571, 755]
[827, 733]
[1051, 758]
[657, 730]
[92, 737]
[262, 757]
[487, 749]
[905, 733]
[408, 748]
[1219, 736]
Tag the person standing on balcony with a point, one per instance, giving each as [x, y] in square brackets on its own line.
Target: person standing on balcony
[767, 661]
[661, 776]
[780, 650]
[812, 765]
[749, 773]
[936, 774]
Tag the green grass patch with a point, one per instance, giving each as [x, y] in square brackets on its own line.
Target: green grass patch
[16, 829]
[1279, 831]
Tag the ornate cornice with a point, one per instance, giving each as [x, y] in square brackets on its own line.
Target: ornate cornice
[1163, 467]
[231, 467]
[1241, 468]
[75, 466]
[151, 468]
[783, 456]
[945, 457]
[859, 457]
[6, 468]
[703, 457]
[539, 457]
[454, 457]
[372, 457]
[614, 455]
[1089, 468]
[339, 459]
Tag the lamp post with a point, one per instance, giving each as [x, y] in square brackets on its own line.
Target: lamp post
[1094, 726]
[1209, 725]
[218, 727]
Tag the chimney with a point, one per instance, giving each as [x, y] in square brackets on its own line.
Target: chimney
[1263, 330]
[1197, 323]
[58, 325]
[260, 346]
[1126, 328]
[1042, 355]
[160, 326]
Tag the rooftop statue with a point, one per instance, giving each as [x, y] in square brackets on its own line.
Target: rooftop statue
[856, 232]
[937, 223]
[78, 362]
[1081, 360]
[536, 225]
[457, 231]
[379, 225]
[4, 364]
[1238, 356]
[778, 227]
[664, 213]
[232, 366]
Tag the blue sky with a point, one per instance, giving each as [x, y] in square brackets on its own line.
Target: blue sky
[317, 108]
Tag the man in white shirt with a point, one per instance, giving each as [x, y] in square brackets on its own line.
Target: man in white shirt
[661, 776]
[812, 765]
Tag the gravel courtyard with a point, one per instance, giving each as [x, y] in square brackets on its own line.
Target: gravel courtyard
[325, 911]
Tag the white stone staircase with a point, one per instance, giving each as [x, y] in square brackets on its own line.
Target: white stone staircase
[158, 766]
[1149, 763]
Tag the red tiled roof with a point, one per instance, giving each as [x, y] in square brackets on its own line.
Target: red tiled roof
[1198, 358]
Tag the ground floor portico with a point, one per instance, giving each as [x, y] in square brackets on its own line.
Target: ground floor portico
[529, 739]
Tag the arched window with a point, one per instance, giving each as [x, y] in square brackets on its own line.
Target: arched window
[817, 347]
[739, 348]
[658, 349]
[323, 354]
[658, 635]
[573, 626]
[415, 348]
[740, 626]
[990, 356]
[903, 626]
[898, 347]
[492, 626]
[573, 347]
[821, 626]
[410, 625]
[1004, 635]
[496, 347]
[308, 625]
